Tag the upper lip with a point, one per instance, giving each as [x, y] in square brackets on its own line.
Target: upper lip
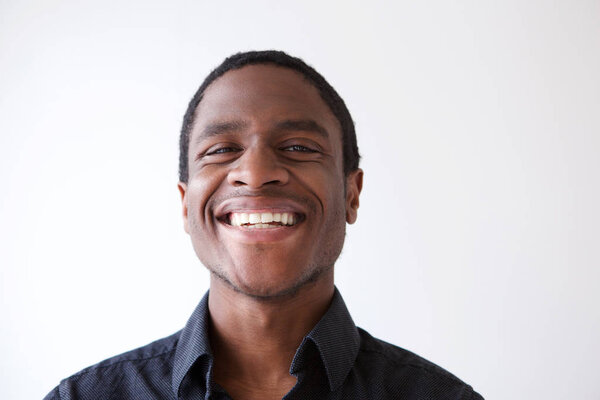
[258, 204]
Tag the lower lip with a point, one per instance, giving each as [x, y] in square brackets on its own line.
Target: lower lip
[259, 235]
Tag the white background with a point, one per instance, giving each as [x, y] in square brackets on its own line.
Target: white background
[477, 243]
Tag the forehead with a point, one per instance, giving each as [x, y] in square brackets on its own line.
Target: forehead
[264, 93]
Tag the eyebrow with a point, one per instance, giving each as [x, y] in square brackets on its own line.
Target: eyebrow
[307, 125]
[219, 128]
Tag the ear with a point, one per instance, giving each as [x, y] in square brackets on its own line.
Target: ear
[354, 182]
[183, 190]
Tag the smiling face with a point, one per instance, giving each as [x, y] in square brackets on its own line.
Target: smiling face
[265, 204]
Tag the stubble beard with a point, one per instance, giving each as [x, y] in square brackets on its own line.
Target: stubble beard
[310, 277]
[317, 270]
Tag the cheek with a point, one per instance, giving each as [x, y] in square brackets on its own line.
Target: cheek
[321, 178]
[201, 188]
[330, 189]
[327, 190]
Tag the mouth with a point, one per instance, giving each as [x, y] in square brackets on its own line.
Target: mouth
[262, 220]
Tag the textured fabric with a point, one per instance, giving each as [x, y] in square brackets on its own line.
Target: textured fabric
[336, 360]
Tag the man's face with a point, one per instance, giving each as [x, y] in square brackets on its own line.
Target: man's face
[265, 204]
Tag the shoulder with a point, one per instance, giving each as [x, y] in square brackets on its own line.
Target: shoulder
[148, 365]
[399, 373]
[384, 353]
[158, 349]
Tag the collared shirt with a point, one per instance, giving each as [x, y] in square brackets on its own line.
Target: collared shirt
[336, 360]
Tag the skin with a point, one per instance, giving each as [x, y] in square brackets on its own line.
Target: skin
[264, 140]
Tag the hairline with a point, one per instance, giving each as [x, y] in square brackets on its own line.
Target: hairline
[274, 64]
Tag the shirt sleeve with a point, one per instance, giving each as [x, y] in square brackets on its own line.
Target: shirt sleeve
[476, 396]
[53, 395]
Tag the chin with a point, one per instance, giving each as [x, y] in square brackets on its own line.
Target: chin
[261, 286]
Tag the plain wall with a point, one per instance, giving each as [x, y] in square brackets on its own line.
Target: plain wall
[476, 244]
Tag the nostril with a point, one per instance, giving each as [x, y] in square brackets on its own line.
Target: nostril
[273, 182]
[252, 173]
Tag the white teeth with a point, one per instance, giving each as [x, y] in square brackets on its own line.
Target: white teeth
[265, 218]
[261, 220]
[258, 226]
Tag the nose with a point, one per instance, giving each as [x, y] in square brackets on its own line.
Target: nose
[257, 167]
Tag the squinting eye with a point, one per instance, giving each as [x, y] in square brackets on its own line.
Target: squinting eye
[222, 150]
[297, 147]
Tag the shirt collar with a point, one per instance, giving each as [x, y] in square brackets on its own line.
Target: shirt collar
[193, 343]
[335, 337]
[337, 341]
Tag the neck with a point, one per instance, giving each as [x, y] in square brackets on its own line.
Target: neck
[254, 340]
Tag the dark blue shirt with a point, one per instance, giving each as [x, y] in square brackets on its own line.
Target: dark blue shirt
[336, 360]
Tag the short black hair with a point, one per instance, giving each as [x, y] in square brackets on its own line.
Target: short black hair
[351, 156]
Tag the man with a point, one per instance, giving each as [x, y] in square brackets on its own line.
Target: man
[268, 179]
